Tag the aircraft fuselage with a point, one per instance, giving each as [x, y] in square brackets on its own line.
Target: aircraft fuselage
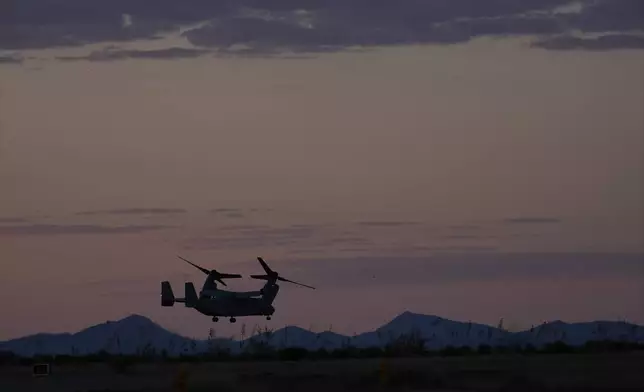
[233, 307]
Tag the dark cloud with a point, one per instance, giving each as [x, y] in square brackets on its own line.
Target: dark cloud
[10, 60]
[285, 232]
[225, 210]
[269, 27]
[13, 220]
[387, 223]
[247, 237]
[507, 26]
[135, 211]
[355, 250]
[466, 237]
[309, 251]
[458, 249]
[609, 16]
[35, 24]
[233, 213]
[374, 250]
[243, 228]
[274, 53]
[112, 54]
[44, 36]
[346, 241]
[308, 226]
[108, 12]
[304, 237]
[50, 230]
[297, 236]
[464, 227]
[261, 210]
[531, 220]
[602, 43]
[335, 26]
[320, 239]
[325, 33]
[246, 242]
[449, 268]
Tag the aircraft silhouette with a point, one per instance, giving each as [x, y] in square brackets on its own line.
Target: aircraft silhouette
[216, 303]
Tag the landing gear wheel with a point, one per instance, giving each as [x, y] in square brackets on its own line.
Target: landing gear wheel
[232, 320]
[215, 319]
[268, 317]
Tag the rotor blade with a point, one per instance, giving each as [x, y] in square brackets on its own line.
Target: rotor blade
[265, 266]
[205, 271]
[263, 277]
[221, 281]
[291, 281]
[229, 276]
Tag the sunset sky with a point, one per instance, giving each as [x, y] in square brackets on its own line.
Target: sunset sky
[468, 159]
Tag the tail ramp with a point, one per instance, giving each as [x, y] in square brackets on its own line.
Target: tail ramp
[191, 295]
[167, 296]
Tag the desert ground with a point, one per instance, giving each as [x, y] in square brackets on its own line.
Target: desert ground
[562, 372]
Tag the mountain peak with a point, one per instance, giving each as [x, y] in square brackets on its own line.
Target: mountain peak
[133, 321]
[409, 320]
[408, 315]
[135, 318]
[136, 334]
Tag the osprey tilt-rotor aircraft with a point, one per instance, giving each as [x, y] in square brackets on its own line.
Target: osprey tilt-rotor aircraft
[216, 303]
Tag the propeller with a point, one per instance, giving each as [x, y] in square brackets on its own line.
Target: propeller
[272, 275]
[216, 275]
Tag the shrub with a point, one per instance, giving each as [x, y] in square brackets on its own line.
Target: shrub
[484, 349]
[292, 354]
[406, 344]
[557, 347]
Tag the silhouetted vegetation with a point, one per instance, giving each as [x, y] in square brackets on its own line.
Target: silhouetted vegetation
[7, 357]
[387, 372]
[484, 349]
[411, 345]
[473, 371]
[558, 347]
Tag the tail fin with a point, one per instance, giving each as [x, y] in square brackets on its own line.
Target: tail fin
[191, 295]
[269, 292]
[167, 296]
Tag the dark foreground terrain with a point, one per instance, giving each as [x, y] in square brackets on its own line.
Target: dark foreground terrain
[538, 372]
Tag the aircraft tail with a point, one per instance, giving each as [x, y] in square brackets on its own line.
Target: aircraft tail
[167, 296]
[269, 292]
[191, 295]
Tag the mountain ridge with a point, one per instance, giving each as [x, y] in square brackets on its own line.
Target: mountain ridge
[138, 334]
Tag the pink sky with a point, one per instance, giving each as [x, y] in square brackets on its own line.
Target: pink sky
[451, 142]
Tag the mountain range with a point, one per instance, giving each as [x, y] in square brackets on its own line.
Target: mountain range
[138, 334]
